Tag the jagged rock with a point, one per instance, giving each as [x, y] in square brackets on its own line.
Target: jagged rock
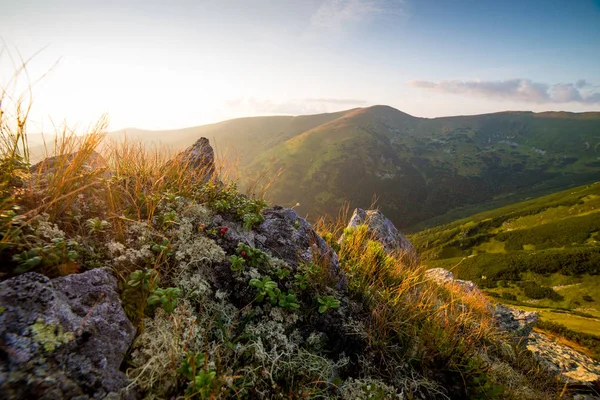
[518, 322]
[62, 338]
[384, 231]
[291, 238]
[49, 165]
[441, 275]
[200, 157]
[575, 366]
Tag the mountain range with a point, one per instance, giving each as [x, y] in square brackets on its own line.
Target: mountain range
[421, 171]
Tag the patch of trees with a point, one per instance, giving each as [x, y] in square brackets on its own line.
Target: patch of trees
[535, 291]
[557, 234]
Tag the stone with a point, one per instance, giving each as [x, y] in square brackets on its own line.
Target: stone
[62, 338]
[441, 275]
[575, 367]
[384, 231]
[518, 322]
[291, 238]
[200, 157]
[49, 165]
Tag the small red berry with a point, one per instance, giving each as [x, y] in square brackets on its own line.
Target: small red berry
[224, 230]
[243, 254]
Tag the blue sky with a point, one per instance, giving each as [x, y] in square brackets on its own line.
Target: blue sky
[158, 64]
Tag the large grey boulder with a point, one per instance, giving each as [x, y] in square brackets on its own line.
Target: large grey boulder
[384, 231]
[291, 238]
[62, 338]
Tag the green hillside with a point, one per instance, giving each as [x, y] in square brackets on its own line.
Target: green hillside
[423, 171]
[541, 254]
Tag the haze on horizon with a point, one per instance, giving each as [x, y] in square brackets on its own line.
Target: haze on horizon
[153, 65]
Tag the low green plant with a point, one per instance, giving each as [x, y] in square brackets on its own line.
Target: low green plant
[136, 291]
[265, 287]
[166, 298]
[252, 219]
[162, 248]
[202, 381]
[327, 303]
[301, 281]
[169, 218]
[28, 259]
[237, 263]
[288, 301]
[253, 256]
[228, 200]
[96, 225]
[145, 279]
[59, 252]
[282, 273]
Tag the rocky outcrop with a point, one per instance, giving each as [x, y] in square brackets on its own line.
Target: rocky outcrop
[384, 231]
[287, 236]
[62, 338]
[573, 365]
[200, 157]
[49, 165]
[518, 322]
[292, 239]
[441, 275]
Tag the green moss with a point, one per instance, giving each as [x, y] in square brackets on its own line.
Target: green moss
[50, 336]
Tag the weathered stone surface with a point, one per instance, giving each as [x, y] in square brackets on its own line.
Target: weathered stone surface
[441, 275]
[518, 322]
[291, 238]
[49, 165]
[62, 338]
[384, 231]
[576, 367]
[200, 157]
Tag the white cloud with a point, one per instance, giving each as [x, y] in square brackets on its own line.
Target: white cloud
[516, 89]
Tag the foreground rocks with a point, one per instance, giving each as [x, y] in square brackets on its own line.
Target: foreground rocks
[575, 366]
[62, 338]
[292, 239]
[384, 231]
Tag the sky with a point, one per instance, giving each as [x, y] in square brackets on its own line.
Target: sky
[171, 64]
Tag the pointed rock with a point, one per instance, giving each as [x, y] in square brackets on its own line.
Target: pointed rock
[200, 157]
[384, 231]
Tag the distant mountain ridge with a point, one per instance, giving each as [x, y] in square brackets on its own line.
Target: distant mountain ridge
[420, 169]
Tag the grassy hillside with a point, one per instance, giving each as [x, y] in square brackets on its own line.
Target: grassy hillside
[423, 171]
[542, 254]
